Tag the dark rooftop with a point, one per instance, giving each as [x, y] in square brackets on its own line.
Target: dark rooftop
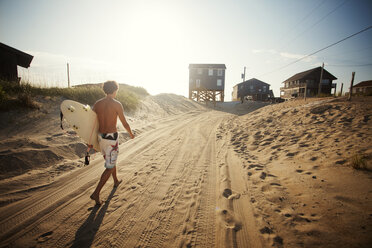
[364, 84]
[220, 66]
[23, 59]
[252, 80]
[311, 73]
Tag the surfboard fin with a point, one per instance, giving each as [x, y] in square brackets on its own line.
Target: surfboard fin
[61, 114]
[87, 158]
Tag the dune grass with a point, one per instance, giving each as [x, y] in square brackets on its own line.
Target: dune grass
[358, 162]
[22, 95]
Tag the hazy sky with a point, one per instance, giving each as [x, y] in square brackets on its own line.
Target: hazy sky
[150, 43]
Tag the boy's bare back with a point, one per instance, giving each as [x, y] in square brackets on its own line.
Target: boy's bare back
[108, 110]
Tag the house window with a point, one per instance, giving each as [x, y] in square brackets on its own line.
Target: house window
[264, 88]
[219, 72]
[200, 71]
[210, 72]
[325, 81]
[251, 87]
[197, 83]
[219, 82]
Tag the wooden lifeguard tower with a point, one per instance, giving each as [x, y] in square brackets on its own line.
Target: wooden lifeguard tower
[207, 82]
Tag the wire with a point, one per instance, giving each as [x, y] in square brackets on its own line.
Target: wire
[348, 37]
[360, 65]
[348, 52]
[303, 19]
[320, 20]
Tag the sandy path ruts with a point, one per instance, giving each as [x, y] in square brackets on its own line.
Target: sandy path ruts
[175, 180]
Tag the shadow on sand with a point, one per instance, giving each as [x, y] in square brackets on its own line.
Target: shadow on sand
[237, 108]
[85, 234]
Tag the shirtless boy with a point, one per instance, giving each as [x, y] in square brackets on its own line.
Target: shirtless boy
[108, 110]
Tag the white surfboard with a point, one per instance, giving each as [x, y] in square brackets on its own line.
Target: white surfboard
[83, 120]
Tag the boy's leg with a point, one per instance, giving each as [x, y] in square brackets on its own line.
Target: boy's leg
[105, 176]
[116, 181]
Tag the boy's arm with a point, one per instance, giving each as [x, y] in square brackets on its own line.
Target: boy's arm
[124, 121]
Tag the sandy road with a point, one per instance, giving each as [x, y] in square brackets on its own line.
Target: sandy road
[176, 193]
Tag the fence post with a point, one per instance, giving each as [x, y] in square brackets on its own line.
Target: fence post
[68, 75]
[351, 85]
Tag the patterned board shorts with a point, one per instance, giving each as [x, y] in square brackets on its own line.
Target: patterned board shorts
[109, 144]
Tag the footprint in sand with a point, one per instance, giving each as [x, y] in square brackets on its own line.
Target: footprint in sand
[278, 241]
[275, 184]
[291, 154]
[266, 230]
[275, 147]
[44, 237]
[230, 221]
[226, 193]
[263, 175]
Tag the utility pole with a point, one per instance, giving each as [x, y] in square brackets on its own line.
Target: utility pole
[320, 81]
[68, 75]
[243, 75]
[342, 86]
[351, 85]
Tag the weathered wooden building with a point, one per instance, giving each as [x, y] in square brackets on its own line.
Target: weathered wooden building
[364, 88]
[207, 82]
[9, 59]
[308, 81]
[252, 88]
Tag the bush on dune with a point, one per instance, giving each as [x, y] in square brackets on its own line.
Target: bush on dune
[21, 95]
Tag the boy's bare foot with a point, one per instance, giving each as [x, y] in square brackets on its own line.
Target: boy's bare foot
[117, 183]
[96, 199]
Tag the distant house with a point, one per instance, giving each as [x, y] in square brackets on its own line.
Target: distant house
[295, 86]
[252, 88]
[207, 82]
[9, 59]
[364, 87]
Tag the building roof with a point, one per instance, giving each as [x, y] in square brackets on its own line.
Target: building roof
[219, 66]
[23, 59]
[364, 84]
[252, 80]
[311, 73]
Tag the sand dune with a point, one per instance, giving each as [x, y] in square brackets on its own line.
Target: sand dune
[296, 158]
[236, 175]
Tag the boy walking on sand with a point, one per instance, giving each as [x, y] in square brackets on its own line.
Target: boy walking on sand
[108, 110]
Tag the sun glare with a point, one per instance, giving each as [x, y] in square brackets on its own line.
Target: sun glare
[154, 48]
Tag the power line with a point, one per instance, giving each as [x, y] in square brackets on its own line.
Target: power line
[348, 52]
[320, 20]
[348, 37]
[360, 65]
[303, 19]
